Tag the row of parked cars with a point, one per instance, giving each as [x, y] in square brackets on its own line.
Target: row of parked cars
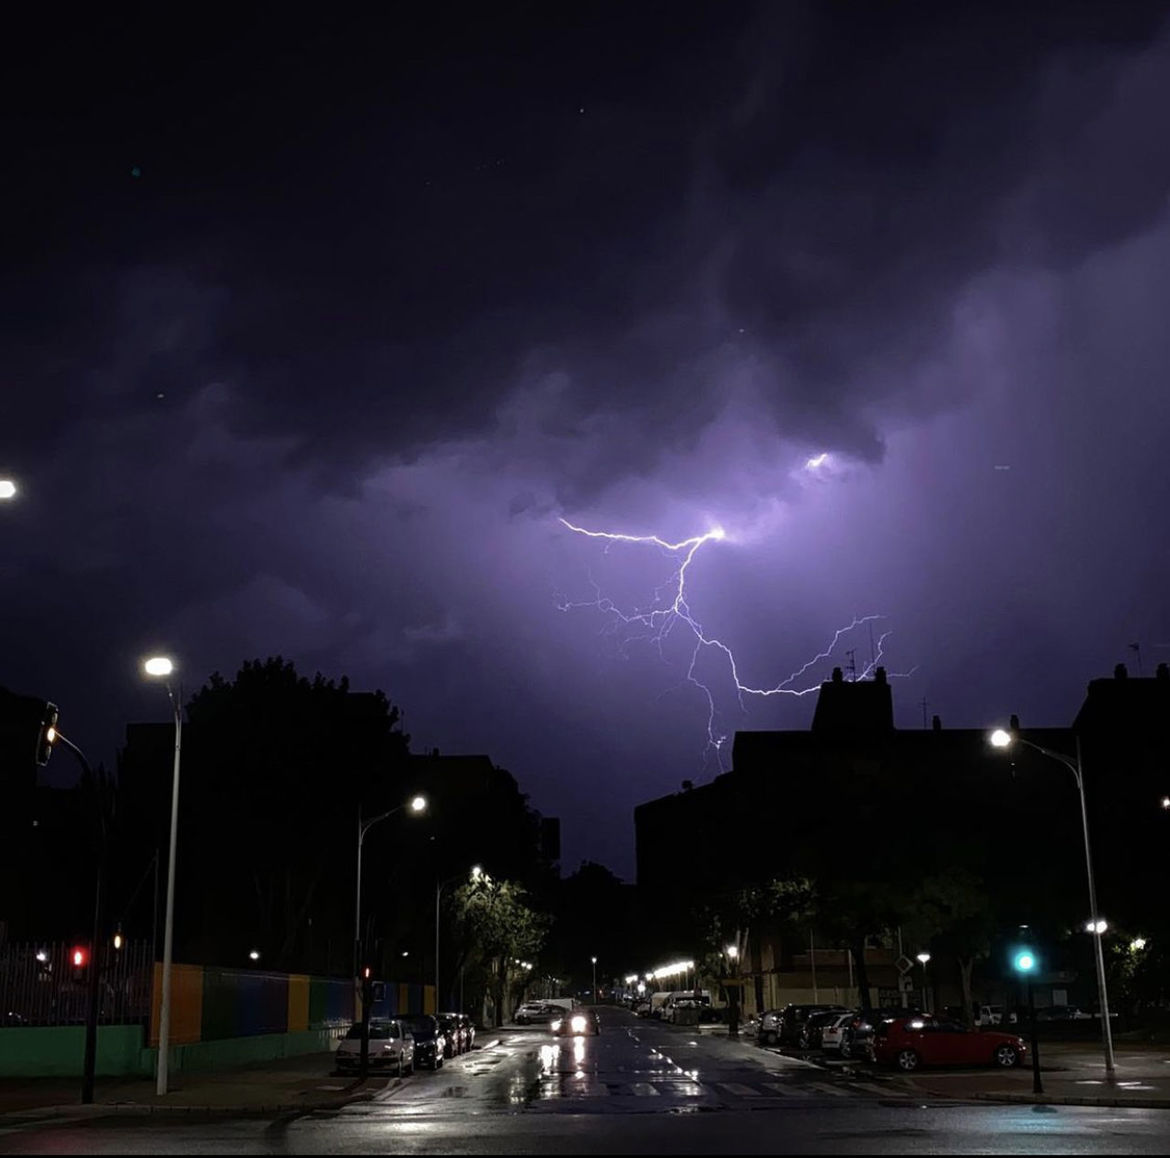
[904, 1038]
[403, 1044]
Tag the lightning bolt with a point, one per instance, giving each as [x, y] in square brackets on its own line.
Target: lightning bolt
[669, 611]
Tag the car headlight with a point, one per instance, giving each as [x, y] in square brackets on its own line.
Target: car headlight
[556, 1025]
[578, 1024]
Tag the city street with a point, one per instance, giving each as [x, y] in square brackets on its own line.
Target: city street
[639, 1086]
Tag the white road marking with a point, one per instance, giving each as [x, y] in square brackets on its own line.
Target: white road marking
[778, 1089]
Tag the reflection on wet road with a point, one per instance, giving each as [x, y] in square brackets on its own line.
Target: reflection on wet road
[629, 1068]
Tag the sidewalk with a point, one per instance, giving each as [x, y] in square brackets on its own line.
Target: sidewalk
[290, 1084]
[1072, 1074]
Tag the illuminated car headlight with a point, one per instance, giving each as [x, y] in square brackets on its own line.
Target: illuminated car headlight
[578, 1024]
[556, 1025]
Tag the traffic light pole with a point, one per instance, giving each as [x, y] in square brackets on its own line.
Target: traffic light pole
[89, 1064]
[1037, 1085]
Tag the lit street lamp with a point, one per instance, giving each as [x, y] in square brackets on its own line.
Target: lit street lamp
[923, 958]
[160, 667]
[1001, 738]
[594, 959]
[416, 804]
[7, 488]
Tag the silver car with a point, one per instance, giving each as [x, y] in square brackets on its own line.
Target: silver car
[391, 1047]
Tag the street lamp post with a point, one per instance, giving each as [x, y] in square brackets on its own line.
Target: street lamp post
[160, 667]
[363, 984]
[594, 960]
[732, 952]
[416, 804]
[923, 958]
[1004, 739]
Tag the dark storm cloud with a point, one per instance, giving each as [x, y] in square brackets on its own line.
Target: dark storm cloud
[383, 301]
[375, 258]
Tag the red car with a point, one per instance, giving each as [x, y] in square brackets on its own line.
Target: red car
[910, 1042]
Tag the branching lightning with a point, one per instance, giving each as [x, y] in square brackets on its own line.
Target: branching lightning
[672, 609]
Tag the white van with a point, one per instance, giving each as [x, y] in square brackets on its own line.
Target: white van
[568, 1004]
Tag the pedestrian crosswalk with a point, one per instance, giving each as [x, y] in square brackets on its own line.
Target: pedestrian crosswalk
[574, 1086]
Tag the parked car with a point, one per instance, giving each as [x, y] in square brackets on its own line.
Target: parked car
[783, 1026]
[429, 1042]
[391, 1047]
[583, 1021]
[833, 1032]
[1063, 1013]
[809, 1036]
[642, 1009]
[454, 1034]
[993, 1015]
[910, 1042]
[857, 1034]
[536, 1013]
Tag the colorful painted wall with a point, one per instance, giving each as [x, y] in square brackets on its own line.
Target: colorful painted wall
[219, 1018]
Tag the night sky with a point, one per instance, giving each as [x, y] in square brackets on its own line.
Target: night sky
[313, 328]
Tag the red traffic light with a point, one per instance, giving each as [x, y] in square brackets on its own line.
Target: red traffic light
[79, 957]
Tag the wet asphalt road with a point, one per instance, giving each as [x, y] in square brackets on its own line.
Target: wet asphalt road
[639, 1087]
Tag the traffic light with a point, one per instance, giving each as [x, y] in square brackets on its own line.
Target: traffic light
[79, 959]
[1024, 961]
[48, 733]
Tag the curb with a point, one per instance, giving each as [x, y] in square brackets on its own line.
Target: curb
[1055, 1100]
[96, 1109]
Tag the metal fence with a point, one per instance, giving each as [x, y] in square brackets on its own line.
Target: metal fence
[41, 984]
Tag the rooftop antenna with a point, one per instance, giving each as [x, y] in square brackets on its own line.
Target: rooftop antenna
[924, 711]
[852, 654]
[872, 647]
[1136, 648]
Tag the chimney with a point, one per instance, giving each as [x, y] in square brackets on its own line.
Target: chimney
[838, 675]
[936, 723]
[880, 675]
[1163, 672]
[1014, 723]
[1119, 672]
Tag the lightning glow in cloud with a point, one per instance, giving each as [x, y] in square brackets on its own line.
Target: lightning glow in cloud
[673, 610]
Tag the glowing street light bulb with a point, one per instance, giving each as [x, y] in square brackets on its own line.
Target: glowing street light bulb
[1138, 944]
[924, 957]
[1098, 926]
[1000, 738]
[1166, 801]
[476, 872]
[254, 955]
[733, 951]
[158, 665]
[418, 804]
[7, 488]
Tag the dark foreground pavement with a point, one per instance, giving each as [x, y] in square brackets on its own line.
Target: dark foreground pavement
[638, 1088]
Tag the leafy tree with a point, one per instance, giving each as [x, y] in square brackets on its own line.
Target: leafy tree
[276, 766]
[953, 912]
[497, 928]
